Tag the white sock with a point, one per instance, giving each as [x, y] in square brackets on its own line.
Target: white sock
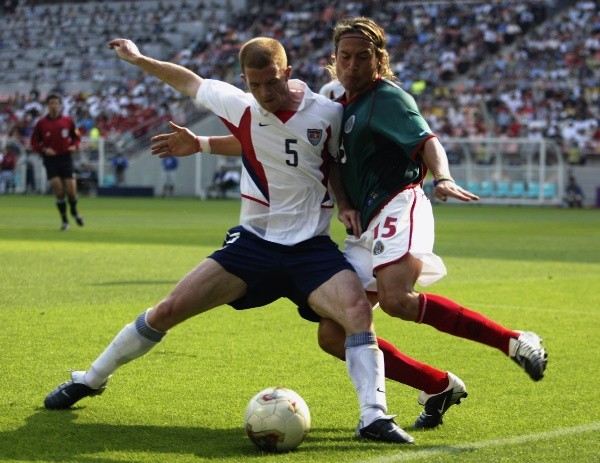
[366, 369]
[127, 345]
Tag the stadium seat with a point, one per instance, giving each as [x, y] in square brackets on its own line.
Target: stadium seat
[473, 187]
[501, 190]
[487, 189]
[549, 190]
[517, 190]
[533, 190]
[109, 180]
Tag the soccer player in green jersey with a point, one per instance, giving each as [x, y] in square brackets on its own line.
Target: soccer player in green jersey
[388, 148]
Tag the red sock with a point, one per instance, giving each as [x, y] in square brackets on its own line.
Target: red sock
[411, 372]
[449, 317]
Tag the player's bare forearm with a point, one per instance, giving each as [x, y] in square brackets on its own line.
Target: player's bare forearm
[180, 78]
[436, 160]
[226, 145]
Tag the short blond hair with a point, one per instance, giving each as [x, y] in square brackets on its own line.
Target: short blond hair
[261, 52]
[372, 32]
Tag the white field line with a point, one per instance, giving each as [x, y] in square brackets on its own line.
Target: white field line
[418, 454]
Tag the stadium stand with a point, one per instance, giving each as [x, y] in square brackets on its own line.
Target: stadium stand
[527, 69]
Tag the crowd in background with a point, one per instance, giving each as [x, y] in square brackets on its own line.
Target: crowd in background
[477, 69]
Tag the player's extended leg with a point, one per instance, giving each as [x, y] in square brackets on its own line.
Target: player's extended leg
[342, 299]
[206, 286]
[71, 189]
[397, 297]
[59, 193]
[439, 389]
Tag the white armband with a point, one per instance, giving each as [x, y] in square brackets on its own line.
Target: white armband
[203, 145]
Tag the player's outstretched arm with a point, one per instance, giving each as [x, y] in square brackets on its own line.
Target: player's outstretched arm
[183, 142]
[436, 160]
[178, 77]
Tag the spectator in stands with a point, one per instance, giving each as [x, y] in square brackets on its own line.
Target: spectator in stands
[94, 140]
[8, 167]
[56, 138]
[120, 163]
[572, 152]
[169, 165]
[574, 193]
[549, 66]
[87, 179]
[225, 179]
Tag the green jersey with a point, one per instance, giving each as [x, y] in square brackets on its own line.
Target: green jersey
[383, 134]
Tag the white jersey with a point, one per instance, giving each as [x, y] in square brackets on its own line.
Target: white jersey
[285, 197]
[332, 90]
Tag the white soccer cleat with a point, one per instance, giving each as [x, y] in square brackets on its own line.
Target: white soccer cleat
[527, 351]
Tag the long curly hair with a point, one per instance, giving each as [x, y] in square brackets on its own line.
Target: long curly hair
[372, 32]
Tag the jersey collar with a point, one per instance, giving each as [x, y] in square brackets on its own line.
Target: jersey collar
[344, 102]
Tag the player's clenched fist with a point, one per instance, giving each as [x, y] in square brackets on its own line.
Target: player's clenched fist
[125, 49]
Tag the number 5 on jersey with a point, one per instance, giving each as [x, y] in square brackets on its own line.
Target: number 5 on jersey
[293, 162]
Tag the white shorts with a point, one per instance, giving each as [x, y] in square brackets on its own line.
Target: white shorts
[404, 225]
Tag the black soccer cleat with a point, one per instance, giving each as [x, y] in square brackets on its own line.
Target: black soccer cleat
[384, 430]
[70, 392]
[437, 404]
[79, 220]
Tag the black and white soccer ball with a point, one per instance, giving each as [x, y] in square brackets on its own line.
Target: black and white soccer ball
[277, 419]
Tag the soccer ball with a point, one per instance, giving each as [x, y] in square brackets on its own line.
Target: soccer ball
[277, 419]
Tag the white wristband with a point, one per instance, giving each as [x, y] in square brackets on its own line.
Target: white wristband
[203, 145]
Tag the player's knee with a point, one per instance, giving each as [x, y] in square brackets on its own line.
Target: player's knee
[359, 316]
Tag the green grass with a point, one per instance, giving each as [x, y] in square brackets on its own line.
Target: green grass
[65, 295]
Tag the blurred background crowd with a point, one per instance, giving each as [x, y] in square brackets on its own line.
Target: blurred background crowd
[526, 69]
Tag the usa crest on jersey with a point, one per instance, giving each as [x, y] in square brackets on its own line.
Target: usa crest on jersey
[314, 136]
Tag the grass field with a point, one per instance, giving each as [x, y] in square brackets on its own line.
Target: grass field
[65, 295]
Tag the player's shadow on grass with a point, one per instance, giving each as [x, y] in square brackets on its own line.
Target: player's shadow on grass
[56, 436]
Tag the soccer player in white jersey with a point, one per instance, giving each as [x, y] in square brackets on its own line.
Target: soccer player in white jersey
[282, 247]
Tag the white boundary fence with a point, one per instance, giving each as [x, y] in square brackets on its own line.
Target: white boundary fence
[509, 170]
[500, 170]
